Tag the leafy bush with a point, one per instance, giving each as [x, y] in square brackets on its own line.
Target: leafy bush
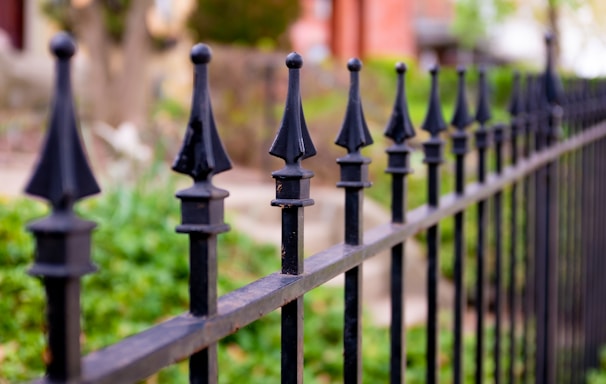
[142, 261]
[242, 22]
[598, 375]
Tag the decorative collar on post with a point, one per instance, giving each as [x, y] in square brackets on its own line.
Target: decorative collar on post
[62, 176]
[434, 122]
[399, 128]
[461, 119]
[354, 135]
[202, 155]
[293, 144]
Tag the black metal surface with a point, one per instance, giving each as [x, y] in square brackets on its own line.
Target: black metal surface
[62, 176]
[399, 129]
[547, 224]
[354, 135]
[202, 155]
[498, 138]
[482, 143]
[292, 144]
[516, 125]
[461, 120]
[528, 347]
[434, 124]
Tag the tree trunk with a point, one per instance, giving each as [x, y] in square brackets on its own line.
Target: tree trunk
[553, 17]
[118, 89]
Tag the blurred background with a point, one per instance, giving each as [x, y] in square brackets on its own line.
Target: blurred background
[133, 81]
[133, 76]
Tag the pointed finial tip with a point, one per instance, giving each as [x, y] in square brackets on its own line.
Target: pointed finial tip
[200, 54]
[461, 69]
[354, 64]
[294, 60]
[63, 45]
[549, 38]
[434, 69]
[401, 67]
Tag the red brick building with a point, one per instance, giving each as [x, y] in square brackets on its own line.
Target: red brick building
[347, 28]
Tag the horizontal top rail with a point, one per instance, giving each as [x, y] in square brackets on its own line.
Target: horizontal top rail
[141, 355]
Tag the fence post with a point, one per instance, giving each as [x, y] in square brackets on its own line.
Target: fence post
[499, 138]
[399, 129]
[517, 118]
[201, 156]
[461, 120]
[547, 229]
[482, 143]
[434, 124]
[62, 176]
[354, 135]
[292, 144]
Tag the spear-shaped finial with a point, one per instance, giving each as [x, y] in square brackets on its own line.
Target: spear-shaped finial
[202, 153]
[293, 143]
[400, 126]
[515, 104]
[354, 132]
[62, 175]
[483, 113]
[553, 86]
[461, 118]
[434, 121]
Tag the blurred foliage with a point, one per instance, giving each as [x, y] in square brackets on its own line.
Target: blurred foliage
[474, 18]
[598, 374]
[115, 13]
[250, 23]
[142, 260]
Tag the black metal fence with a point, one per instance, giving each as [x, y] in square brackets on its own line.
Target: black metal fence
[551, 186]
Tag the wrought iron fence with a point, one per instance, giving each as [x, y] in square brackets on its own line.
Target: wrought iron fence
[554, 176]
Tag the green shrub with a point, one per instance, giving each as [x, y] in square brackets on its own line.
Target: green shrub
[598, 375]
[243, 22]
[143, 261]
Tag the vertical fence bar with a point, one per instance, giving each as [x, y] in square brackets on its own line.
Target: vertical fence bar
[547, 241]
[577, 183]
[498, 136]
[201, 157]
[354, 135]
[482, 142]
[434, 124]
[540, 238]
[586, 224]
[531, 127]
[601, 337]
[292, 144]
[62, 176]
[566, 268]
[588, 240]
[460, 120]
[399, 129]
[517, 119]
